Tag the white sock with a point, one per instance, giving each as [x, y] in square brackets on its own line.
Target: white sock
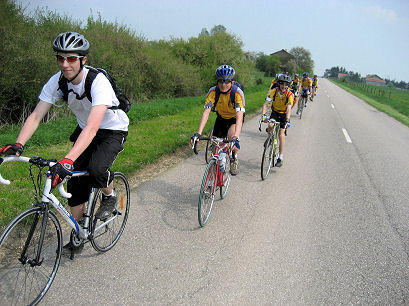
[108, 195]
[281, 156]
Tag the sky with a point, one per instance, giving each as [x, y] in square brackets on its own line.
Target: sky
[364, 36]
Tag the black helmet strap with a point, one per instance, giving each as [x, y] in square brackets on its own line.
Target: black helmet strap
[81, 67]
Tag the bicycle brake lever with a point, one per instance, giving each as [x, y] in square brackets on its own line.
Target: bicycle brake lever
[194, 146]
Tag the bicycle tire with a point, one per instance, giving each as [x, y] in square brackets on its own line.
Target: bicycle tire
[105, 236]
[226, 178]
[267, 160]
[209, 148]
[276, 147]
[207, 191]
[302, 107]
[17, 273]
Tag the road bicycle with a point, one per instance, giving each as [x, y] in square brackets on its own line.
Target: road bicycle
[271, 148]
[304, 98]
[31, 244]
[216, 176]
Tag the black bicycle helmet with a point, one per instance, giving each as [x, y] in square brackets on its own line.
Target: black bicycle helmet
[225, 73]
[71, 42]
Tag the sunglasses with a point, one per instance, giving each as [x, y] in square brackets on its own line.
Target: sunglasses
[224, 81]
[282, 83]
[70, 59]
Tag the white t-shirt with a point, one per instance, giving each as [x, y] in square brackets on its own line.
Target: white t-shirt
[101, 93]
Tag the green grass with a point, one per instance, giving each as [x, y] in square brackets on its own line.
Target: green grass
[397, 106]
[157, 128]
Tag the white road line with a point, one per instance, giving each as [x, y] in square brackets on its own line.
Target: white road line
[332, 105]
[347, 136]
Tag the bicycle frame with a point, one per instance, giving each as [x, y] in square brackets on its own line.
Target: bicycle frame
[47, 198]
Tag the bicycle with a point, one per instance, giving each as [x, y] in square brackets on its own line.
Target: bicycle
[216, 176]
[271, 148]
[31, 244]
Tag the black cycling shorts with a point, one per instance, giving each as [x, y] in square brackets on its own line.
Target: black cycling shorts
[221, 126]
[96, 159]
[280, 117]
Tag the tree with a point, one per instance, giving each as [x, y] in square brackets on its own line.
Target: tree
[204, 32]
[218, 28]
[303, 59]
[290, 66]
[269, 64]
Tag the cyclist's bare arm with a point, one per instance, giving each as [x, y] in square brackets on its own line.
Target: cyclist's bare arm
[264, 110]
[88, 133]
[32, 122]
[239, 124]
[288, 111]
[203, 120]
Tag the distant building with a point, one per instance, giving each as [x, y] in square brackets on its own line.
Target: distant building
[342, 75]
[283, 55]
[373, 79]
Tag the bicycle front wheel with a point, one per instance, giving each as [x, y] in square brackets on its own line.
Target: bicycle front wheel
[25, 277]
[267, 159]
[225, 178]
[105, 233]
[207, 190]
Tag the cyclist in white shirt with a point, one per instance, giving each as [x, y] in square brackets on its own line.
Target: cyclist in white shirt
[99, 136]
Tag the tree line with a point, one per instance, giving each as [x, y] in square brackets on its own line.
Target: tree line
[356, 77]
[144, 69]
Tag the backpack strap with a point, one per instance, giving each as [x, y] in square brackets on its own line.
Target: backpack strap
[233, 94]
[92, 74]
[63, 87]
[216, 97]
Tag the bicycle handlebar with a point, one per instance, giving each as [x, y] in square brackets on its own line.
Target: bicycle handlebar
[36, 161]
[209, 138]
[270, 121]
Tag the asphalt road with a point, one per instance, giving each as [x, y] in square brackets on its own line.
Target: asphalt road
[329, 227]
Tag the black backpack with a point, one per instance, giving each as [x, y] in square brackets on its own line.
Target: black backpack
[233, 91]
[124, 102]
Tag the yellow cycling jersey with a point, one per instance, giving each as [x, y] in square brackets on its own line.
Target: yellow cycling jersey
[306, 83]
[314, 82]
[224, 106]
[295, 81]
[280, 101]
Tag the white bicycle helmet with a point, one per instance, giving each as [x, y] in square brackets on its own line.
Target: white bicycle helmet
[71, 42]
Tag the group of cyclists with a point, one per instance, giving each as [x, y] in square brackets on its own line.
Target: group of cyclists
[103, 127]
[283, 95]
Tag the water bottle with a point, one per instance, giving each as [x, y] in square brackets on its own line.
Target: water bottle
[222, 158]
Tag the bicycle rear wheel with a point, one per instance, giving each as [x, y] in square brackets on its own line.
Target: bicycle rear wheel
[106, 233]
[23, 279]
[302, 106]
[207, 190]
[267, 160]
[225, 178]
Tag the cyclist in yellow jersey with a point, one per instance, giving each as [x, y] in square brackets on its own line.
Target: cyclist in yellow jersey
[282, 98]
[295, 88]
[306, 88]
[230, 114]
[314, 86]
